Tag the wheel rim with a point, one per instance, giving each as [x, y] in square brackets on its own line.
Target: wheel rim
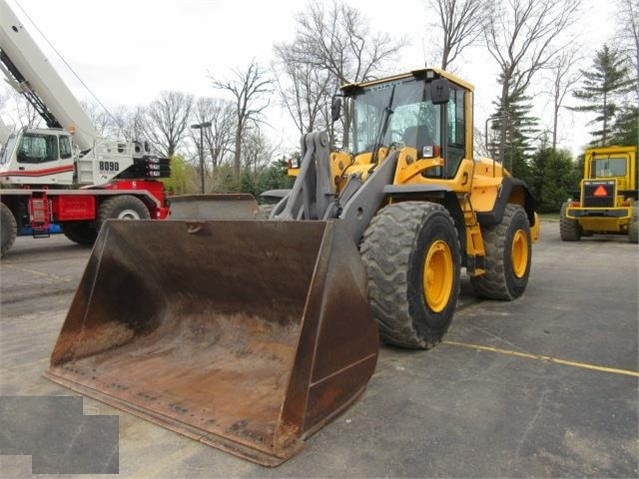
[519, 253]
[438, 276]
[128, 214]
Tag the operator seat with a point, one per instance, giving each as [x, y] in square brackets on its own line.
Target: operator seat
[417, 136]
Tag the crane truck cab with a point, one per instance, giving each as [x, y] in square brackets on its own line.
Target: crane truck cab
[42, 155]
[67, 173]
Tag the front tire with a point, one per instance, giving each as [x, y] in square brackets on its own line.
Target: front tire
[8, 229]
[508, 248]
[569, 229]
[125, 207]
[412, 256]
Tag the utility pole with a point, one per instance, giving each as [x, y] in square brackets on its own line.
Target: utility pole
[201, 126]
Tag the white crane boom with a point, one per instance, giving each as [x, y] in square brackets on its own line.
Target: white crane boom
[30, 72]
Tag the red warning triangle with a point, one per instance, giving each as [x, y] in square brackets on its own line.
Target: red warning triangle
[601, 191]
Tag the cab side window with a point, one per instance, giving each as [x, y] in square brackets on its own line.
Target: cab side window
[65, 147]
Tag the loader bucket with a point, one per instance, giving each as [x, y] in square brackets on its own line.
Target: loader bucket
[219, 206]
[245, 335]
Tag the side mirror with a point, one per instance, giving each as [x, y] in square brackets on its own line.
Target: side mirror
[336, 108]
[440, 91]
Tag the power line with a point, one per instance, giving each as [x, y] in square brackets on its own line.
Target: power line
[69, 66]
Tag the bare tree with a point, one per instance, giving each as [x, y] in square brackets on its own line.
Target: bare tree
[102, 120]
[628, 18]
[564, 77]
[304, 91]
[167, 120]
[258, 152]
[130, 122]
[7, 124]
[249, 89]
[339, 40]
[26, 114]
[521, 38]
[218, 139]
[462, 24]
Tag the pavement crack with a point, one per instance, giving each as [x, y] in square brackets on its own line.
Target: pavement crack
[529, 427]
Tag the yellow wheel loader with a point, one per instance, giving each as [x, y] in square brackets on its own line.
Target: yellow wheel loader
[251, 334]
[607, 201]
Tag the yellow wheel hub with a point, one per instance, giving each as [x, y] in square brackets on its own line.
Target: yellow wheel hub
[519, 253]
[438, 276]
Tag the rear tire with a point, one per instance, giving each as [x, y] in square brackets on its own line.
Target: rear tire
[508, 253]
[125, 207]
[411, 253]
[633, 227]
[8, 229]
[81, 232]
[569, 229]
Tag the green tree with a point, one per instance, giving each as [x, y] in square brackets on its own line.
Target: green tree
[178, 182]
[224, 180]
[603, 85]
[248, 183]
[275, 177]
[521, 130]
[625, 130]
[551, 178]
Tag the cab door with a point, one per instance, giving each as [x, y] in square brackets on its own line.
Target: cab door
[43, 157]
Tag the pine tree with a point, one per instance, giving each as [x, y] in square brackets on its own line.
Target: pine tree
[625, 130]
[552, 178]
[604, 84]
[521, 132]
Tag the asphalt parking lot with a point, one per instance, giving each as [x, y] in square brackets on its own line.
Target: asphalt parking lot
[545, 386]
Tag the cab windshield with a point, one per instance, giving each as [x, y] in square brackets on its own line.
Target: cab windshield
[401, 111]
[608, 167]
[38, 148]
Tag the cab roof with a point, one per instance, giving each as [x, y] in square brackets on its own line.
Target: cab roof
[422, 72]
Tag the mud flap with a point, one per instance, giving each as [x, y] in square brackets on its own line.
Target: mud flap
[245, 335]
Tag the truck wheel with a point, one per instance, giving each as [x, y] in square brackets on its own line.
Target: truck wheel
[125, 207]
[569, 229]
[633, 227]
[508, 253]
[81, 232]
[411, 253]
[8, 229]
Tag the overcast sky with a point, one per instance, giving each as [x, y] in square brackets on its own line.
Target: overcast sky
[127, 52]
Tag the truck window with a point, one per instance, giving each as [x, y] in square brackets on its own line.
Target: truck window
[38, 148]
[456, 131]
[65, 147]
[609, 167]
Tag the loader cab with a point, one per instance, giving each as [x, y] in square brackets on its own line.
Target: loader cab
[410, 111]
[614, 163]
[38, 156]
